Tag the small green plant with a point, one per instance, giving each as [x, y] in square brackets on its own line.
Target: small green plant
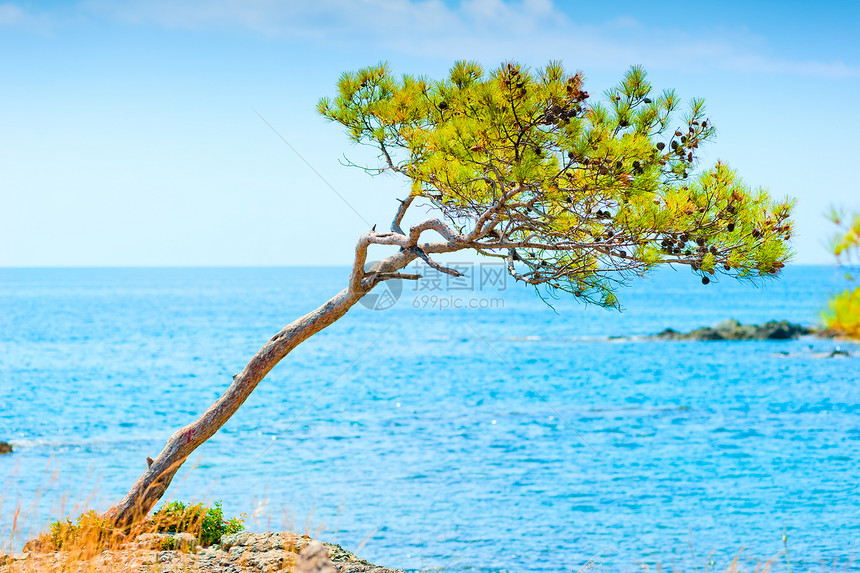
[205, 523]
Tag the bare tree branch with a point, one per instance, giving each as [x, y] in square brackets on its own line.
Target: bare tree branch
[372, 279]
[401, 212]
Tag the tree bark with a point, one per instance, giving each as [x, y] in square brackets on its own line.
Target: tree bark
[150, 487]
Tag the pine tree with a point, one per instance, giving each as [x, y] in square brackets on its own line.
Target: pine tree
[574, 195]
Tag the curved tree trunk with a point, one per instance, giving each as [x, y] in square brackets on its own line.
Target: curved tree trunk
[150, 487]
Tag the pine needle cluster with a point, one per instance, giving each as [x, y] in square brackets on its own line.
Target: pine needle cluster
[586, 192]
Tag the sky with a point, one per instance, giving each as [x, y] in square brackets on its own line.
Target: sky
[184, 132]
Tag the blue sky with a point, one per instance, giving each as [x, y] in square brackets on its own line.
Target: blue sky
[129, 132]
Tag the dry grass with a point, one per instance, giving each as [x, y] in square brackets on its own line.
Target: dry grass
[92, 544]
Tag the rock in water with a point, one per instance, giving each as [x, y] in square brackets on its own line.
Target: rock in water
[5, 448]
[734, 330]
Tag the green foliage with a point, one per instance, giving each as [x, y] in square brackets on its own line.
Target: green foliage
[842, 316]
[846, 243]
[843, 313]
[587, 193]
[206, 523]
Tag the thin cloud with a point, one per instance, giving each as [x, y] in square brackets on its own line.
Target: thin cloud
[11, 15]
[489, 30]
[14, 16]
[754, 63]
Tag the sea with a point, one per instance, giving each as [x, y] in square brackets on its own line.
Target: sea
[446, 424]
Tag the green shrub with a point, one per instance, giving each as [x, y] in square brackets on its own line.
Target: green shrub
[205, 523]
[91, 532]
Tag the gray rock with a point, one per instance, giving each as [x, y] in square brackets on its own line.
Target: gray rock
[228, 541]
[314, 558]
[668, 334]
[185, 541]
[241, 538]
[733, 330]
[165, 542]
[243, 552]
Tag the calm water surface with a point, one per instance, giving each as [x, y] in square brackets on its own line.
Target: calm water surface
[510, 437]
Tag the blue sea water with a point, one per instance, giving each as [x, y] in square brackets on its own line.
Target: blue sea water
[510, 437]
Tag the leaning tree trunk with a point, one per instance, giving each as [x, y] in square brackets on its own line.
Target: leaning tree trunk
[150, 487]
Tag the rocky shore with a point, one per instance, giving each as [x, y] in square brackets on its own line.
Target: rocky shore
[242, 552]
[734, 330]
